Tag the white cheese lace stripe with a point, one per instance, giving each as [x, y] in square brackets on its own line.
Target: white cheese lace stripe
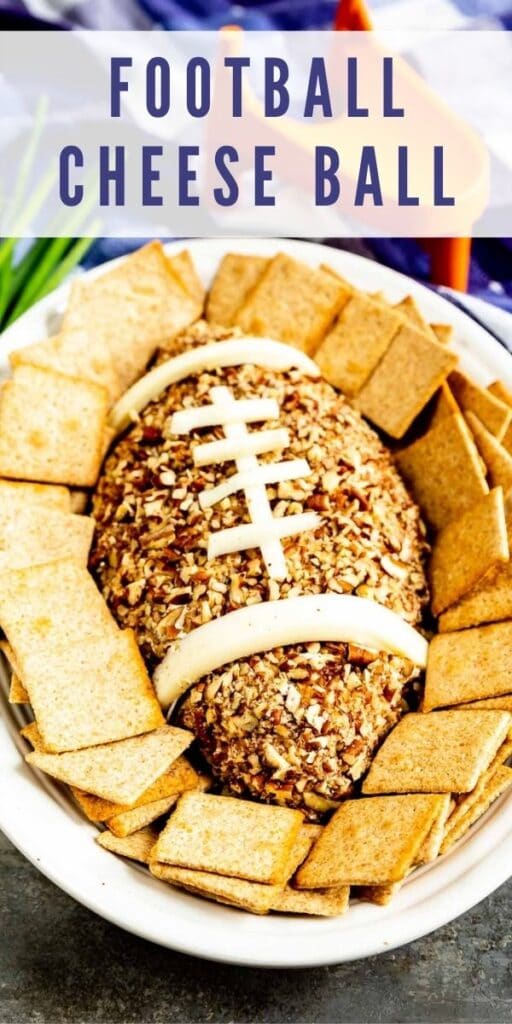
[241, 447]
[262, 627]
[274, 473]
[260, 535]
[236, 447]
[258, 505]
[248, 410]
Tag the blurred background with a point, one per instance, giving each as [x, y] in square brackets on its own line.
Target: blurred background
[477, 274]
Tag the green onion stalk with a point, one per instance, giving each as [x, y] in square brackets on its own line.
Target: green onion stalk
[29, 272]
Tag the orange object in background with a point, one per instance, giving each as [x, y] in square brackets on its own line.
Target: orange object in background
[449, 257]
[352, 16]
[449, 261]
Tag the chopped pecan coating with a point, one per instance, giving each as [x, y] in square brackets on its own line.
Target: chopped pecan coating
[150, 559]
[298, 725]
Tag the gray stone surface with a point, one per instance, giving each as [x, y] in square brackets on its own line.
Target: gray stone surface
[60, 963]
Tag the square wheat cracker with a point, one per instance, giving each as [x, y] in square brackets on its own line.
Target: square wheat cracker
[498, 784]
[119, 771]
[75, 354]
[355, 344]
[506, 440]
[51, 427]
[444, 472]
[33, 536]
[421, 366]
[466, 803]
[18, 494]
[183, 267]
[131, 309]
[230, 837]
[48, 605]
[381, 895]
[497, 460]
[237, 275]
[444, 405]
[137, 846]
[491, 411]
[409, 309]
[180, 778]
[443, 333]
[457, 563]
[93, 693]
[429, 851]
[234, 892]
[469, 800]
[79, 499]
[127, 822]
[307, 836]
[468, 665]
[292, 303]
[441, 752]
[256, 897]
[8, 654]
[17, 692]
[369, 842]
[431, 845]
[501, 391]
[314, 902]
[31, 733]
[490, 601]
[327, 269]
[494, 703]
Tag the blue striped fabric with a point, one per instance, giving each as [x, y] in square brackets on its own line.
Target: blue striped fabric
[491, 265]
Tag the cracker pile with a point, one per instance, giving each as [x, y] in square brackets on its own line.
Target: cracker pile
[97, 725]
[460, 472]
[53, 411]
[362, 344]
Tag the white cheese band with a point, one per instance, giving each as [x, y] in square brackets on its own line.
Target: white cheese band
[264, 352]
[261, 627]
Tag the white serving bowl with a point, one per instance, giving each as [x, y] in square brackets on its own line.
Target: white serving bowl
[42, 822]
